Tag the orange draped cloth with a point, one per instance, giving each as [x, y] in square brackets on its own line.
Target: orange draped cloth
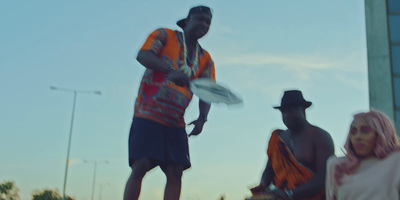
[289, 173]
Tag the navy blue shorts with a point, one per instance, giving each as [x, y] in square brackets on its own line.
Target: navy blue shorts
[159, 143]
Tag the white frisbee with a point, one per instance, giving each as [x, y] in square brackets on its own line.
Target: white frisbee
[209, 91]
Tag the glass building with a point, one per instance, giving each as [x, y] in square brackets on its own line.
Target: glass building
[383, 44]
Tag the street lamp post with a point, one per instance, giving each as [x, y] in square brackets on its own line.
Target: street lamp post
[71, 126]
[101, 190]
[94, 173]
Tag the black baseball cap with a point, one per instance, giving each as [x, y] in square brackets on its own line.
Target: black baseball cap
[195, 10]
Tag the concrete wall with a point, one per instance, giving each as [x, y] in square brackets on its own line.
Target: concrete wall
[381, 95]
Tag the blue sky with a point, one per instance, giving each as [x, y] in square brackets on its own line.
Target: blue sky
[260, 49]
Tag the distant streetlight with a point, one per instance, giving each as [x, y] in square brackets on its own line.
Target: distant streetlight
[70, 129]
[101, 190]
[94, 173]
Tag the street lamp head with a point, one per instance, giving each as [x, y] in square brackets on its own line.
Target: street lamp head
[53, 88]
[97, 92]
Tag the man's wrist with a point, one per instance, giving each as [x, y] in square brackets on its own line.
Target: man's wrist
[289, 194]
[203, 118]
[168, 70]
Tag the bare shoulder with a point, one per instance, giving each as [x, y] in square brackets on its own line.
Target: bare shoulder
[320, 134]
[333, 160]
[395, 155]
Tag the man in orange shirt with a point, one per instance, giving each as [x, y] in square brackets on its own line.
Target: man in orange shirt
[158, 136]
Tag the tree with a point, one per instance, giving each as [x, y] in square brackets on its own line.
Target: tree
[8, 191]
[48, 194]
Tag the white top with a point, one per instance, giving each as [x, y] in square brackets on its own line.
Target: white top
[375, 179]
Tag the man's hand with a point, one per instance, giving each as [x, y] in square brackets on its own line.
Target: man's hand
[258, 189]
[278, 194]
[178, 77]
[198, 126]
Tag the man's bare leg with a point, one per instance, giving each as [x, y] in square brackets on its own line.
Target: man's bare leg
[174, 181]
[134, 183]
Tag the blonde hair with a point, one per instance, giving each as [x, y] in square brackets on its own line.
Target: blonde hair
[386, 142]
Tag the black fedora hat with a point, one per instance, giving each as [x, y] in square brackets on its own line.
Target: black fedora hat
[293, 98]
[194, 10]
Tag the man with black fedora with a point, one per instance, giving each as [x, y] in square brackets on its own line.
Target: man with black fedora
[297, 156]
[157, 136]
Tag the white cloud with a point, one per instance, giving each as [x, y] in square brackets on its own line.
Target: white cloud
[287, 61]
[266, 72]
[73, 161]
[226, 30]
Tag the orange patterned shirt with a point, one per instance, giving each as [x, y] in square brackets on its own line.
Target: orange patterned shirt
[159, 99]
